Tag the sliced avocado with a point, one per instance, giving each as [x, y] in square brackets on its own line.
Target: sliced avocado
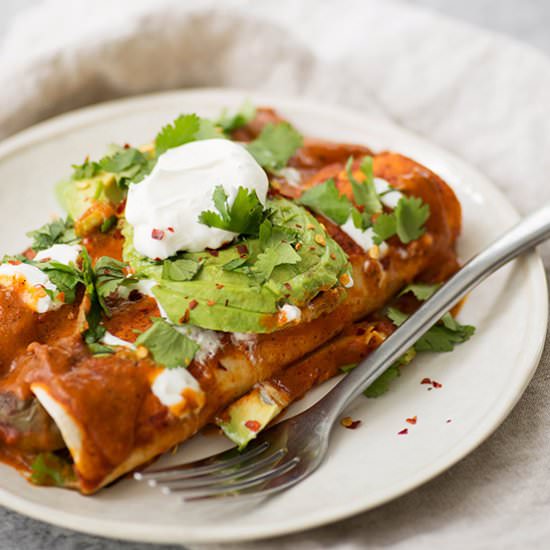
[236, 300]
[247, 417]
[77, 196]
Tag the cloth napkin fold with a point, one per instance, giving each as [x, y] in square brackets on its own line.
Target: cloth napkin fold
[479, 95]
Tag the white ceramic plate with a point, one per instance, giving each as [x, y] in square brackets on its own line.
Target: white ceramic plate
[482, 379]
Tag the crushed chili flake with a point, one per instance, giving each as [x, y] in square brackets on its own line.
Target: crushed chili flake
[411, 420]
[333, 256]
[185, 317]
[253, 425]
[312, 248]
[242, 249]
[404, 431]
[426, 381]
[214, 253]
[211, 303]
[171, 229]
[61, 296]
[157, 234]
[297, 246]
[436, 384]
[288, 286]
[14, 262]
[299, 226]
[448, 421]
[349, 423]
[219, 286]
[120, 208]
[193, 304]
[126, 146]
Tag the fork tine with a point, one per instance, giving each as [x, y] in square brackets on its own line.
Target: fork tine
[228, 488]
[209, 480]
[210, 465]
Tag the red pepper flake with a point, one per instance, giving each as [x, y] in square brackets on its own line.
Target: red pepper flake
[312, 248]
[288, 286]
[126, 146]
[242, 249]
[298, 226]
[120, 208]
[185, 317]
[226, 302]
[14, 262]
[211, 303]
[171, 229]
[349, 423]
[404, 431]
[333, 256]
[61, 296]
[436, 384]
[212, 252]
[426, 381]
[253, 425]
[193, 304]
[219, 286]
[448, 421]
[411, 420]
[157, 234]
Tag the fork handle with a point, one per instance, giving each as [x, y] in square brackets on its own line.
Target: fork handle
[525, 235]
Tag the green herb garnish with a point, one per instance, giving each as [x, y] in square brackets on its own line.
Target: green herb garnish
[275, 145]
[168, 345]
[184, 129]
[57, 232]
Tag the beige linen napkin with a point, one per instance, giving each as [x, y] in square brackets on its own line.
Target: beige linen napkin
[477, 94]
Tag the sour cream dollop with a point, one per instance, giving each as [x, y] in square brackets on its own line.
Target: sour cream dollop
[164, 208]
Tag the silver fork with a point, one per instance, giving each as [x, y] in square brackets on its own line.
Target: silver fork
[287, 453]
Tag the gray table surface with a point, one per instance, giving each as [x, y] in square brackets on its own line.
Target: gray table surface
[525, 20]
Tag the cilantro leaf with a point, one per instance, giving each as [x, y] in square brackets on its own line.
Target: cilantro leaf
[180, 270]
[50, 469]
[88, 169]
[422, 291]
[382, 384]
[243, 217]
[280, 254]
[184, 129]
[411, 213]
[57, 232]
[384, 227]
[65, 277]
[325, 199]
[364, 192]
[122, 160]
[110, 274]
[243, 116]
[275, 145]
[234, 264]
[168, 345]
[441, 337]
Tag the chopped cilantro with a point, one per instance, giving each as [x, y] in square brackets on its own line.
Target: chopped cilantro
[384, 227]
[109, 275]
[279, 254]
[50, 469]
[108, 224]
[364, 193]
[57, 232]
[243, 217]
[167, 344]
[441, 337]
[422, 291]
[180, 270]
[382, 384]
[275, 145]
[325, 199]
[406, 221]
[411, 213]
[65, 277]
[184, 129]
[122, 160]
[243, 116]
[87, 170]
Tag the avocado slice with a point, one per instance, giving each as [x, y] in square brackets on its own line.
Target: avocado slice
[247, 417]
[235, 300]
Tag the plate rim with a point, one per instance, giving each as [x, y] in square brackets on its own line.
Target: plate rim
[136, 531]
